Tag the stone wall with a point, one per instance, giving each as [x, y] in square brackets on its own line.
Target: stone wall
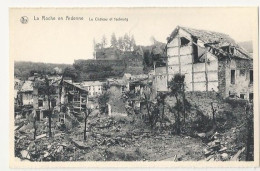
[108, 54]
[134, 63]
[242, 84]
[222, 64]
[116, 101]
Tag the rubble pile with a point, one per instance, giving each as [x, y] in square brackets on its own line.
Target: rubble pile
[222, 147]
[107, 139]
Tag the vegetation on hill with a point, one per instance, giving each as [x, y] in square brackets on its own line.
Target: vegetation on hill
[247, 45]
[153, 55]
[98, 70]
[23, 70]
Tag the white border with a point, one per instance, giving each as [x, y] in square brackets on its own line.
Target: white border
[4, 4]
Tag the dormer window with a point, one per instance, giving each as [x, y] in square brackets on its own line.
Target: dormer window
[225, 49]
[232, 50]
[184, 41]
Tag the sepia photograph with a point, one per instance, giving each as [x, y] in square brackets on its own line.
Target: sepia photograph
[151, 86]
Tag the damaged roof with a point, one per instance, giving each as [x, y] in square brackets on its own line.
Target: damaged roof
[117, 82]
[27, 86]
[213, 39]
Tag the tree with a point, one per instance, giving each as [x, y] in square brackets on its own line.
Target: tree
[147, 58]
[249, 113]
[121, 43]
[161, 103]
[71, 72]
[98, 46]
[34, 126]
[102, 101]
[153, 113]
[86, 114]
[47, 88]
[153, 40]
[113, 41]
[104, 41]
[176, 86]
[132, 43]
[126, 41]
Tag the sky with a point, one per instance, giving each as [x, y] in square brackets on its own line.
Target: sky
[63, 41]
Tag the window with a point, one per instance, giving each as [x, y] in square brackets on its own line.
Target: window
[242, 96]
[45, 114]
[38, 115]
[76, 99]
[40, 103]
[251, 97]
[184, 41]
[195, 51]
[225, 48]
[251, 77]
[233, 75]
[53, 103]
[232, 50]
[242, 72]
[231, 95]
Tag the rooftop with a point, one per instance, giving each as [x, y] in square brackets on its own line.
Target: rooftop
[27, 86]
[91, 83]
[213, 39]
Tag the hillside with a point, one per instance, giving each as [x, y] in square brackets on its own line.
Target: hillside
[247, 45]
[24, 69]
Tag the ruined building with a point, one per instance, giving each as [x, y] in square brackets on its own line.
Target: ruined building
[73, 94]
[211, 61]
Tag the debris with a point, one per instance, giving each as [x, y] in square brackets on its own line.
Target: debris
[80, 144]
[224, 156]
[209, 157]
[202, 135]
[236, 156]
[59, 149]
[25, 154]
[46, 154]
[41, 136]
[223, 149]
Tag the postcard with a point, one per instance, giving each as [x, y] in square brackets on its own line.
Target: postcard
[134, 87]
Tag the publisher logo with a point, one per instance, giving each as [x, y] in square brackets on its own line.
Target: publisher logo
[24, 20]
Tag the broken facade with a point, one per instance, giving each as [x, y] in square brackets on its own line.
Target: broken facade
[73, 94]
[210, 61]
[116, 89]
[25, 94]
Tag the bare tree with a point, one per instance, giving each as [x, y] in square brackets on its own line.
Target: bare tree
[113, 41]
[104, 41]
[250, 129]
[47, 88]
[176, 86]
[86, 113]
[161, 102]
[132, 43]
[126, 41]
[34, 126]
[151, 105]
[121, 43]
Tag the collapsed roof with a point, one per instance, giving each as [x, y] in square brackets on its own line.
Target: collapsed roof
[214, 40]
[27, 86]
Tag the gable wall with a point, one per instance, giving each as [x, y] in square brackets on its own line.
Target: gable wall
[198, 76]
